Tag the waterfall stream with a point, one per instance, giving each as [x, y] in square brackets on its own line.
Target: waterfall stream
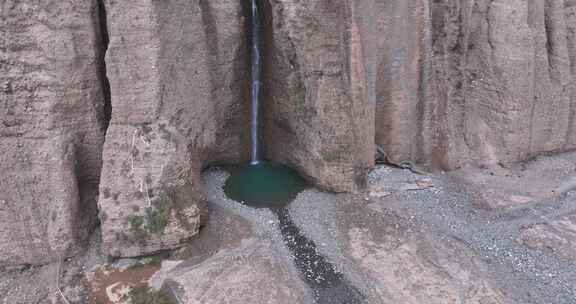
[265, 184]
[255, 84]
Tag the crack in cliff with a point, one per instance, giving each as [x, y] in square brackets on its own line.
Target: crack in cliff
[549, 30]
[105, 39]
[534, 96]
[570, 40]
[106, 114]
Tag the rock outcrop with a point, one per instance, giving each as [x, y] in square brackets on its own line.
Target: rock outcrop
[480, 82]
[52, 128]
[238, 271]
[445, 83]
[176, 72]
[556, 238]
[318, 111]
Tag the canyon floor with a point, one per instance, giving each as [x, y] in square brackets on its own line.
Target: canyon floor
[489, 235]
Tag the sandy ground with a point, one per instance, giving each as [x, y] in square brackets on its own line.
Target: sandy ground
[491, 235]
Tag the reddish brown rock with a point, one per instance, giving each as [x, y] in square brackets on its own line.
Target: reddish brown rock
[317, 114]
[453, 82]
[237, 271]
[445, 83]
[401, 271]
[475, 82]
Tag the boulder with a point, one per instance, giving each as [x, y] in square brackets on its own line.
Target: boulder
[232, 275]
[557, 237]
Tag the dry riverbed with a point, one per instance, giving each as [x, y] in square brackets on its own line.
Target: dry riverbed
[487, 236]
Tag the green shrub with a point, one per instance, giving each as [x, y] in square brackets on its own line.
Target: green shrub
[146, 295]
[155, 219]
[153, 260]
[158, 215]
[136, 226]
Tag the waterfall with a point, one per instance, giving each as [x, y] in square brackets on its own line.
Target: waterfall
[255, 84]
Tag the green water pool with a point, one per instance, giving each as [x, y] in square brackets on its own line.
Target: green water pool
[263, 185]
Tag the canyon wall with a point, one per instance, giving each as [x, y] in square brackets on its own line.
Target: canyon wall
[318, 111]
[443, 84]
[475, 82]
[52, 128]
[177, 78]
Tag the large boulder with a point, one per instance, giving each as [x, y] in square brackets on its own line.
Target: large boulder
[238, 271]
[52, 128]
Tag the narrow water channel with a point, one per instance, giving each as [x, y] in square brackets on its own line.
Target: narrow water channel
[328, 285]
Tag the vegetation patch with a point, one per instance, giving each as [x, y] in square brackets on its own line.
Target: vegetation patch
[158, 215]
[136, 226]
[150, 261]
[146, 295]
[155, 218]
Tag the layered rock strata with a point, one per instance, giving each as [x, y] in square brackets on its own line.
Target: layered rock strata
[176, 72]
[52, 128]
[442, 84]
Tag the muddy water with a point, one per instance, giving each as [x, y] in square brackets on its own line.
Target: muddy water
[109, 284]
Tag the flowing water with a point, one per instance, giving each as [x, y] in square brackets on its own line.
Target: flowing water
[255, 84]
[262, 184]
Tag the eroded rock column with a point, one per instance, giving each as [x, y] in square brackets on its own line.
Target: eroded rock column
[178, 80]
[317, 114]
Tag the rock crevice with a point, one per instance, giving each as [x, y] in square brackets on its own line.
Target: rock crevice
[104, 82]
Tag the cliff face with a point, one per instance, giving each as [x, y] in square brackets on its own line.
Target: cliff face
[51, 130]
[444, 83]
[318, 112]
[475, 82]
[441, 83]
[176, 72]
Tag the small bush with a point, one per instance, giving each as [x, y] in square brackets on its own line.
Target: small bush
[146, 295]
[136, 226]
[155, 218]
[154, 260]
